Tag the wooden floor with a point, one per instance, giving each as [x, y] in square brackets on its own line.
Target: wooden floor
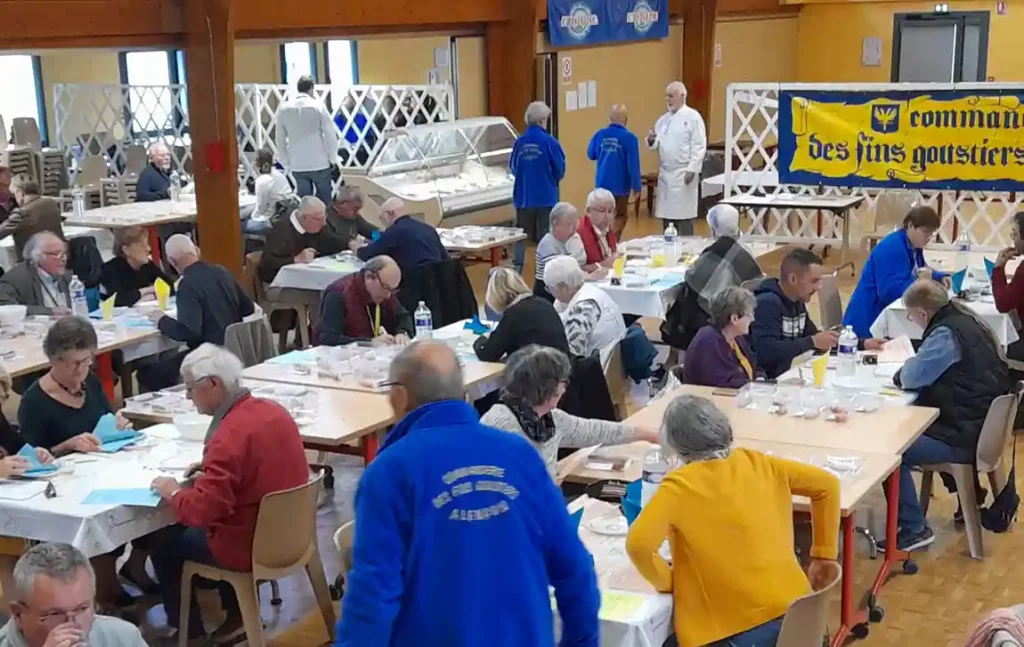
[936, 607]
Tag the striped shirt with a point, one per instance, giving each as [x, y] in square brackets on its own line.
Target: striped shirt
[549, 247]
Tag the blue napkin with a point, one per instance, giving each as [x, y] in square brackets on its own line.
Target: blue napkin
[630, 509]
[989, 266]
[111, 438]
[576, 517]
[375, 236]
[123, 496]
[35, 468]
[633, 491]
[476, 326]
[294, 357]
[957, 280]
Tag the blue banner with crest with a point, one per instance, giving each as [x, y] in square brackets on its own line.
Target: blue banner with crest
[590, 22]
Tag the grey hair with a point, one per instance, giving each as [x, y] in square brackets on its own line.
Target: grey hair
[376, 264]
[562, 210]
[932, 296]
[426, 381]
[210, 360]
[537, 114]
[33, 246]
[69, 333]
[60, 562]
[676, 87]
[733, 300]
[348, 193]
[310, 204]
[534, 372]
[600, 196]
[179, 245]
[724, 220]
[563, 270]
[695, 429]
[156, 146]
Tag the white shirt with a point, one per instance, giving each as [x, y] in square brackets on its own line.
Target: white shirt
[51, 291]
[295, 223]
[307, 139]
[270, 188]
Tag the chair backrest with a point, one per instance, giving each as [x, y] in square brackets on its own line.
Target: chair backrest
[250, 341]
[93, 169]
[343, 538]
[286, 525]
[135, 159]
[830, 303]
[618, 385]
[751, 284]
[891, 208]
[251, 284]
[804, 622]
[998, 426]
[25, 132]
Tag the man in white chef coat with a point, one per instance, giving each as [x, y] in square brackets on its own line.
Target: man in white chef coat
[681, 142]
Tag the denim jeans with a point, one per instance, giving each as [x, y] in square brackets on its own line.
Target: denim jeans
[765, 635]
[316, 183]
[172, 547]
[924, 451]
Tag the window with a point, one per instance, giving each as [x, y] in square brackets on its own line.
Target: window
[23, 93]
[940, 47]
[342, 65]
[151, 104]
[297, 59]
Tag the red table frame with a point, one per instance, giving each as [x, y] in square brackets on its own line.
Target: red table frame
[154, 244]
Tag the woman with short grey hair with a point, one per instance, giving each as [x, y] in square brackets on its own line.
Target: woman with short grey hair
[728, 513]
[719, 354]
[593, 321]
[537, 163]
[535, 379]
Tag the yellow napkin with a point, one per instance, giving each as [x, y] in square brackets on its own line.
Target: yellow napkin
[162, 292]
[107, 307]
[818, 367]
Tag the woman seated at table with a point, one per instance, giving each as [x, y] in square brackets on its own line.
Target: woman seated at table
[11, 441]
[733, 572]
[535, 379]
[719, 354]
[131, 273]
[593, 321]
[895, 262]
[60, 411]
[525, 318]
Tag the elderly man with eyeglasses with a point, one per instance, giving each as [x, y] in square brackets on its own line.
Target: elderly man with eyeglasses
[53, 604]
[41, 281]
[364, 307]
[595, 230]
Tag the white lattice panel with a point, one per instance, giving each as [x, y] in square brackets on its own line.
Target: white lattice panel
[751, 166]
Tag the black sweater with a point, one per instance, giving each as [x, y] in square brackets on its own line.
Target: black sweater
[209, 300]
[118, 277]
[47, 423]
[530, 321]
[284, 242]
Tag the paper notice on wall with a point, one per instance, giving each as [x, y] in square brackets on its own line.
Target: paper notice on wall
[571, 100]
[581, 92]
[440, 57]
[871, 52]
[718, 55]
[592, 94]
[566, 67]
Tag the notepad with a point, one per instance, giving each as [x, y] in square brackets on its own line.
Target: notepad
[142, 497]
[619, 607]
[35, 468]
[111, 438]
[896, 351]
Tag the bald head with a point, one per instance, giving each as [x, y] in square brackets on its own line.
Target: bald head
[675, 96]
[391, 210]
[619, 114]
[181, 251]
[381, 276]
[424, 372]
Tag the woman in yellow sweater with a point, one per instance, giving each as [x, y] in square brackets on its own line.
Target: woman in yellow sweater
[727, 514]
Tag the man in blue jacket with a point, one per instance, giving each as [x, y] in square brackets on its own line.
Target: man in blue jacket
[460, 530]
[617, 154]
[538, 164]
[412, 243]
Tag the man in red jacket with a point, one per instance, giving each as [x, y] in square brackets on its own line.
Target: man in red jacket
[253, 448]
[595, 230]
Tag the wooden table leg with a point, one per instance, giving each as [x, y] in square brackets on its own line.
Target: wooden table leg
[105, 371]
[154, 244]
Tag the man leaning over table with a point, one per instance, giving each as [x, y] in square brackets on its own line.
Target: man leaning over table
[41, 282]
[460, 529]
[253, 451]
[959, 369]
[362, 307]
[411, 242]
[300, 238]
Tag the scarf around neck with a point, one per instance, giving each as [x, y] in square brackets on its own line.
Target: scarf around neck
[539, 429]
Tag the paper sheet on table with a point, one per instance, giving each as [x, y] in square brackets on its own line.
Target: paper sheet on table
[619, 607]
[294, 357]
[21, 491]
[896, 351]
[143, 497]
[35, 468]
[573, 462]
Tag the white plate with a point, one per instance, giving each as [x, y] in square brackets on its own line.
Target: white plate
[614, 526]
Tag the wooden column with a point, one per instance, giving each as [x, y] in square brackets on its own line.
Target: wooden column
[210, 72]
[511, 49]
[699, 53]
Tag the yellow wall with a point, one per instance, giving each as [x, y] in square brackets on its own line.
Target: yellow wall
[472, 76]
[398, 60]
[830, 37]
[78, 66]
[258, 62]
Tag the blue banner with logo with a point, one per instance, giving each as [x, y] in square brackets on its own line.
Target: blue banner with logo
[590, 22]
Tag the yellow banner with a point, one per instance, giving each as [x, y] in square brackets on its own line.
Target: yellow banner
[949, 139]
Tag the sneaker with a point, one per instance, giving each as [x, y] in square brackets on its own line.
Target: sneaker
[907, 542]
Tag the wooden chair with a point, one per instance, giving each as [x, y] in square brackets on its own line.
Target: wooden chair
[804, 624]
[285, 541]
[650, 182]
[830, 302]
[253, 287]
[995, 435]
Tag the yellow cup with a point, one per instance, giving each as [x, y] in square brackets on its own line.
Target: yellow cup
[818, 368]
[618, 265]
[162, 291]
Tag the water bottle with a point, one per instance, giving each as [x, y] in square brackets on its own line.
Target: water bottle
[655, 469]
[174, 190]
[79, 303]
[963, 255]
[78, 202]
[847, 353]
[424, 322]
[671, 251]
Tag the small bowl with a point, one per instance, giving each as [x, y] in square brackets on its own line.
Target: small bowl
[12, 315]
[192, 426]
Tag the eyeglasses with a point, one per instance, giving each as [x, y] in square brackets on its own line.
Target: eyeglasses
[60, 255]
[384, 286]
[60, 616]
[191, 387]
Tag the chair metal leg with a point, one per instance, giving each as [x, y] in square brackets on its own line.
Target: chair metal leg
[964, 476]
[275, 593]
[872, 542]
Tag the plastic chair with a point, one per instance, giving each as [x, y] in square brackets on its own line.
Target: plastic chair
[995, 435]
[830, 302]
[135, 159]
[618, 383]
[25, 132]
[253, 287]
[250, 341]
[804, 623]
[343, 538]
[285, 540]
[93, 169]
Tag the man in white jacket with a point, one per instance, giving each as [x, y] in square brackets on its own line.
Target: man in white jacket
[307, 142]
[681, 142]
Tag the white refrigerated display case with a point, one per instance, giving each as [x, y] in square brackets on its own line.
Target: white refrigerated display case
[448, 174]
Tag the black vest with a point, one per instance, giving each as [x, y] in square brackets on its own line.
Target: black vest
[964, 393]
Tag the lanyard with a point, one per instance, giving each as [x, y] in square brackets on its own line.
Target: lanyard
[374, 319]
[56, 302]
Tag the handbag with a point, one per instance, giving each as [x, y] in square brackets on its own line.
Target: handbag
[998, 516]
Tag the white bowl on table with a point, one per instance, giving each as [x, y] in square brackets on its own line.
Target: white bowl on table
[192, 426]
[12, 315]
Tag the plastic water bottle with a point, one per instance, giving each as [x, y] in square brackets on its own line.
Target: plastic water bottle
[79, 304]
[671, 250]
[175, 188]
[78, 202]
[655, 469]
[847, 353]
[424, 322]
[963, 255]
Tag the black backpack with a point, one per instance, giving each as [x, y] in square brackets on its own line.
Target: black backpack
[998, 516]
[84, 260]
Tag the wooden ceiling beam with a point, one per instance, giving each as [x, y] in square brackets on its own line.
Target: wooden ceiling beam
[34, 24]
[263, 16]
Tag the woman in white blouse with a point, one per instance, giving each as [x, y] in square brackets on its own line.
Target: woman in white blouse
[593, 321]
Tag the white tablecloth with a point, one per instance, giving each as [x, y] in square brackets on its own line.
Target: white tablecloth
[652, 300]
[104, 241]
[315, 276]
[99, 529]
[893, 321]
[867, 379]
